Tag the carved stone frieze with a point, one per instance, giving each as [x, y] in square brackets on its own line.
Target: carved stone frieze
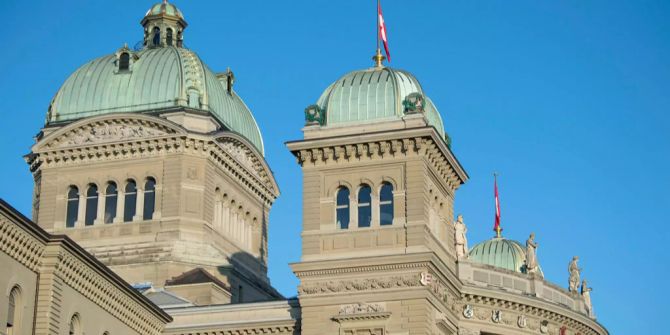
[360, 284]
[361, 308]
[110, 133]
[361, 311]
[242, 155]
[466, 331]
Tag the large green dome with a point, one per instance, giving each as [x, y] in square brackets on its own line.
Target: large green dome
[162, 76]
[372, 95]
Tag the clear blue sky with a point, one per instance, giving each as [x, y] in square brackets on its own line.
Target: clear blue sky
[568, 100]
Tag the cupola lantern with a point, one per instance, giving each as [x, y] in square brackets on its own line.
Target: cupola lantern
[163, 25]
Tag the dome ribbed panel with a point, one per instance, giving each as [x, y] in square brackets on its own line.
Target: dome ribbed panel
[499, 252]
[231, 110]
[433, 116]
[359, 97]
[157, 79]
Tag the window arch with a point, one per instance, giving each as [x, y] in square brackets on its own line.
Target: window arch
[111, 201]
[364, 206]
[156, 41]
[15, 307]
[72, 210]
[75, 325]
[168, 36]
[91, 205]
[149, 198]
[124, 61]
[342, 208]
[130, 201]
[386, 204]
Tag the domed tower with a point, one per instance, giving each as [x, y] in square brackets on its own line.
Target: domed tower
[379, 181]
[153, 163]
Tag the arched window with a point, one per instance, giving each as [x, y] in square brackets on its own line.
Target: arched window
[386, 204]
[364, 206]
[14, 312]
[149, 198]
[157, 37]
[91, 205]
[168, 36]
[75, 325]
[342, 208]
[180, 40]
[72, 207]
[130, 201]
[124, 61]
[111, 199]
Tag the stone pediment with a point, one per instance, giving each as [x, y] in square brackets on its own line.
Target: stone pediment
[106, 131]
[240, 151]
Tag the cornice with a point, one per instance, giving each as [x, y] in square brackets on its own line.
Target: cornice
[422, 141]
[488, 300]
[262, 185]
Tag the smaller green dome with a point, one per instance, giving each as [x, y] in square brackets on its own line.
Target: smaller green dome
[501, 253]
[372, 95]
[164, 8]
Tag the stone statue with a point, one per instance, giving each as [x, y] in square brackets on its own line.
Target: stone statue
[531, 254]
[574, 275]
[586, 294]
[461, 240]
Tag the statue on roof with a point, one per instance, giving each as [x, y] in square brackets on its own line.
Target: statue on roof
[586, 294]
[461, 240]
[531, 254]
[574, 270]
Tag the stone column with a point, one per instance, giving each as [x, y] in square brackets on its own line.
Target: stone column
[374, 210]
[81, 213]
[120, 206]
[139, 206]
[353, 211]
[101, 207]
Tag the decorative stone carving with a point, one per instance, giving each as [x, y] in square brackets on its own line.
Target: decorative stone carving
[361, 308]
[460, 231]
[544, 326]
[531, 254]
[586, 294]
[468, 311]
[426, 278]
[315, 115]
[465, 331]
[522, 321]
[574, 271]
[240, 154]
[109, 133]
[496, 316]
[413, 103]
[360, 284]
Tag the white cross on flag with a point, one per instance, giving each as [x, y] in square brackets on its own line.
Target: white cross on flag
[382, 30]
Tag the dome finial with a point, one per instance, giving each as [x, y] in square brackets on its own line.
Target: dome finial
[378, 58]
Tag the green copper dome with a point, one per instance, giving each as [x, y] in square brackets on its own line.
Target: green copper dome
[162, 76]
[374, 94]
[501, 253]
[164, 8]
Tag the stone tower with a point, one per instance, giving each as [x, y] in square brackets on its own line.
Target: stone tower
[379, 181]
[155, 165]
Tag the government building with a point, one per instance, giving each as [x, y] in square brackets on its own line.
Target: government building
[152, 196]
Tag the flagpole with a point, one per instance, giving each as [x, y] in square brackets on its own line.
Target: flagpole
[377, 30]
[497, 227]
